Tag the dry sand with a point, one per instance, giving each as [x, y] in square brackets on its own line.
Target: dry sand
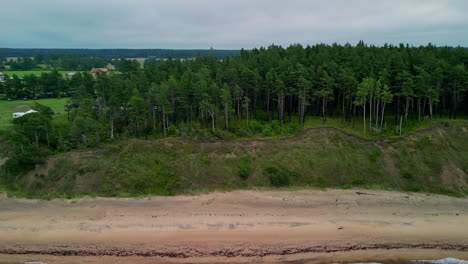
[309, 226]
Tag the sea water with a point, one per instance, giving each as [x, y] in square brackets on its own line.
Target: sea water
[439, 261]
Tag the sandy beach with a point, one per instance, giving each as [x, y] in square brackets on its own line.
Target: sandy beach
[308, 226]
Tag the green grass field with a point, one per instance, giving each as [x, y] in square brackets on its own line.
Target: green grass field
[24, 73]
[7, 108]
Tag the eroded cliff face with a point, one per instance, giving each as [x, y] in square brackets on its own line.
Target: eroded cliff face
[433, 160]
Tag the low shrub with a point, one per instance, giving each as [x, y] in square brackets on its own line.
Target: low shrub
[280, 176]
[245, 167]
[407, 175]
[374, 155]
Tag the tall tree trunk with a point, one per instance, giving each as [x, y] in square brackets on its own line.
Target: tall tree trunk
[350, 108]
[238, 109]
[37, 138]
[370, 112]
[424, 106]
[85, 140]
[430, 110]
[397, 110]
[174, 116]
[247, 115]
[401, 122]
[323, 110]
[376, 111]
[301, 107]
[164, 120]
[412, 109]
[146, 128]
[254, 108]
[406, 109]
[268, 105]
[419, 109]
[343, 108]
[137, 129]
[354, 114]
[281, 107]
[455, 105]
[377, 114]
[383, 113]
[212, 120]
[154, 121]
[112, 128]
[226, 116]
[364, 115]
[47, 135]
[191, 113]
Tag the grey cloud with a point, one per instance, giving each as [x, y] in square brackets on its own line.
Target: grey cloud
[229, 24]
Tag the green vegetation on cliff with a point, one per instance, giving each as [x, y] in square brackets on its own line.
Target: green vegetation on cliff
[432, 160]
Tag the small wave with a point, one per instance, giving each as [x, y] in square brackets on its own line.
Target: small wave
[439, 261]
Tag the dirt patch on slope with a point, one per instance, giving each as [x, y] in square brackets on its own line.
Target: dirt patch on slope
[453, 176]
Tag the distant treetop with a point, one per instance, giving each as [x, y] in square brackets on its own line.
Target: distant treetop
[120, 53]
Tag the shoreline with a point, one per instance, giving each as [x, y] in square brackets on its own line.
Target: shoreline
[380, 256]
[308, 226]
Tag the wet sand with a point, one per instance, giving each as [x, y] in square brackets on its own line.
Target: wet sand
[310, 226]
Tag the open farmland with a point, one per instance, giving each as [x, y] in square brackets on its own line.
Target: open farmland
[25, 73]
[7, 108]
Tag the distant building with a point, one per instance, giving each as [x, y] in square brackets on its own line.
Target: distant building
[20, 114]
[2, 77]
[96, 71]
[69, 74]
[10, 59]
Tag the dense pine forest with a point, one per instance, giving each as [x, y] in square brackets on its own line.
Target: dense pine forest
[264, 92]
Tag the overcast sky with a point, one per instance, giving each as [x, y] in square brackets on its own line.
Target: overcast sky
[229, 24]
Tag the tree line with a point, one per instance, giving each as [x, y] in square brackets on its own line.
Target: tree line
[119, 53]
[280, 87]
[54, 62]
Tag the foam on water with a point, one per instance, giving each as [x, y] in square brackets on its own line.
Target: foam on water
[443, 261]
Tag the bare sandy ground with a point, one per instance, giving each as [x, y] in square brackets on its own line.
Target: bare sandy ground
[310, 226]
